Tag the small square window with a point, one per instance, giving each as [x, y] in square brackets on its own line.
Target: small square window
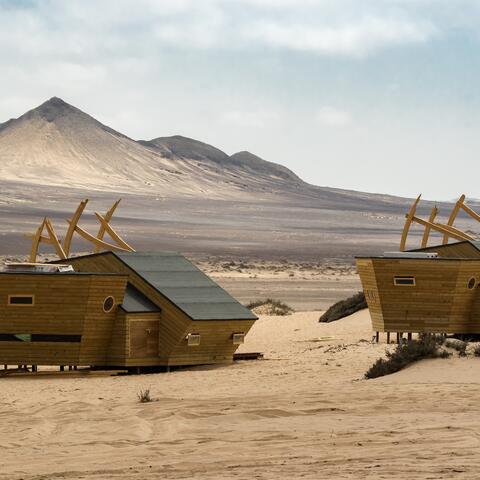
[193, 339]
[404, 281]
[238, 338]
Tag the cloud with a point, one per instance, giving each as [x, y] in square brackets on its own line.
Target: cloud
[333, 117]
[348, 39]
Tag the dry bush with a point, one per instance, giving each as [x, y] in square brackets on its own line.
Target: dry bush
[458, 345]
[405, 354]
[344, 308]
[270, 306]
[144, 396]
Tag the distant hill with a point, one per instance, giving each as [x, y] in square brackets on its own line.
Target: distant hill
[58, 144]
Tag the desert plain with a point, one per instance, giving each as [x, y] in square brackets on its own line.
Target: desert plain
[304, 411]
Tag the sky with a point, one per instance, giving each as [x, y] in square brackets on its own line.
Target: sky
[371, 95]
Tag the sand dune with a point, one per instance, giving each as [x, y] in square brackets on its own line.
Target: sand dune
[303, 412]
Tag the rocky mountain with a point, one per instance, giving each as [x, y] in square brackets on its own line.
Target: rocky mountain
[58, 144]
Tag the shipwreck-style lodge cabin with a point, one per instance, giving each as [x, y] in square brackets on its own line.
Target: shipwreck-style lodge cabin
[123, 309]
[427, 290]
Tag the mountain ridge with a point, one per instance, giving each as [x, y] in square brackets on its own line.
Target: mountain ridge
[59, 144]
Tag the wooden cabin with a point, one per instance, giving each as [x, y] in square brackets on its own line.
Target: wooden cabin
[118, 309]
[433, 290]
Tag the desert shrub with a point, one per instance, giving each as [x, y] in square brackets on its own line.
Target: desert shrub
[404, 354]
[343, 308]
[476, 351]
[458, 345]
[270, 306]
[144, 396]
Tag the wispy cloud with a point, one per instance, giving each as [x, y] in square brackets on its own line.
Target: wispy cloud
[358, 38]
[333, 117]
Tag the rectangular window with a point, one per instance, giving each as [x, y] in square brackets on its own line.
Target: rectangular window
[238, 338]
[21, 300]
[193, 339]
[404, 281]
[39, 337]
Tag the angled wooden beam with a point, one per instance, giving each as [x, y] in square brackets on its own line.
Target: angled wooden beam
[87, 236]
[408, 223]
[43, 238]
[470, 212]
[453, 216]
[446, 229]
[431, 219]
[36, 242]
[113, 234]
[54, 239]
[108, 217]
[71, 229]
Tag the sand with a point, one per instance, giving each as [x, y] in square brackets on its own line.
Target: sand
[303, 412]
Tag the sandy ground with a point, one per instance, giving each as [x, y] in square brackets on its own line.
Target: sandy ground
[303, 412]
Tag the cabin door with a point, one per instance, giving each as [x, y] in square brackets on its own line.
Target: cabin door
[143, 338]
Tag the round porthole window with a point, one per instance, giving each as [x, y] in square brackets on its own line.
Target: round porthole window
[471, 283]
[108, 304]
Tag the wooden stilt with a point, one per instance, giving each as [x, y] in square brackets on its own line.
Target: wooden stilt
[62, 368]
[388, 338]
[377, 336]
[409, 336]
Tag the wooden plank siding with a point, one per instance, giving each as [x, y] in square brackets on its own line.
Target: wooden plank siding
[65, 304]
[453, 250]
[440, 300]
[99, 325]
[173, 321]
[216, 342]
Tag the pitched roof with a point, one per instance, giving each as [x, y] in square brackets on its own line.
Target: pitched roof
[177, 279]
[135, 301]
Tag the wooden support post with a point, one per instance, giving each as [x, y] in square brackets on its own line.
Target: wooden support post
[377, 336]
[398, 337]
[75, 367]
[409, 336]
[388, 338]
[62, 368]
[5, 367]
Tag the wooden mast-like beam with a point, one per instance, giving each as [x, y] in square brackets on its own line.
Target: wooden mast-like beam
[431, 219]
[96, 241]
[113, 234]
[54, 240]
[108, 217]
[71, 229]
[408, 223]
[445, 229]
[36, 242]
[453, 216]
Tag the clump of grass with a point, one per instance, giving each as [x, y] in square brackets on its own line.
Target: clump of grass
[270, 306]
[144, 396]
[344, 308]
[404, 354]
[458, 345]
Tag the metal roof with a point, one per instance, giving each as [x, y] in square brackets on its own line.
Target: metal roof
[135, 301]
[177, 279]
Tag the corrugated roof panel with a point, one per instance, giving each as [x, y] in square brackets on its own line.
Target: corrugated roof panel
[185, 285]
[216, 311]
[136, 301]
